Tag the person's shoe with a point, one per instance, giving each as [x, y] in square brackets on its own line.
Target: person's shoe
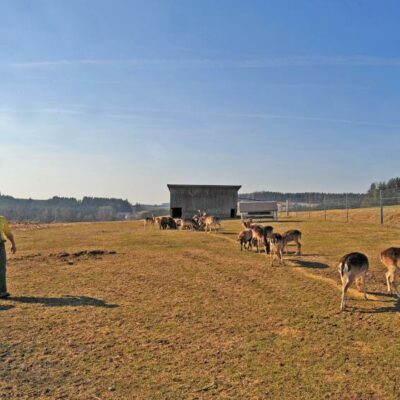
[4, 295]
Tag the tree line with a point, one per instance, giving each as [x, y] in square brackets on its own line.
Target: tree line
[390, 193]
[64, 209]
[70, 209]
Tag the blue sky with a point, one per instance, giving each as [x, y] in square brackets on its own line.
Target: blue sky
[119, 98]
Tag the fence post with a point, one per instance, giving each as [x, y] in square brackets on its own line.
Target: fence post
[347, 209]
[325, 207]
[287, 207]
[381, 206]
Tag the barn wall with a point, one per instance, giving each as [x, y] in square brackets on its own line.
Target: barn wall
[215, 201]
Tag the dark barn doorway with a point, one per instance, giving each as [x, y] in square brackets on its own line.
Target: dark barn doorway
[176, 212]
[233, 213]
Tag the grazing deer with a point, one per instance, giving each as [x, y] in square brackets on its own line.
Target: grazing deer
[245, 238]
[149, 221]
[352, 266]
[167, 222]
[391, 260]
[261, 236]
[276, 243]
[292, 236]
[190, 224]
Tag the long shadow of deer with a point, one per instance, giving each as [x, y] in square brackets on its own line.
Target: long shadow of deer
[65, 301]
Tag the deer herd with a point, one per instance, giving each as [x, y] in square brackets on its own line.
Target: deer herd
[352, 267]
[199, 222]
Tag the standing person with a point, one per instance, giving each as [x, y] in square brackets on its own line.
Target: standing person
[5, 232]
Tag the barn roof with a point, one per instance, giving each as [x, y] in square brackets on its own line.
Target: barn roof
[179, 186]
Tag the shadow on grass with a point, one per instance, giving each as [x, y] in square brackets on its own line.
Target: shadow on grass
[385, 294]
[6, 307]
[310, 264]
[312, 255]
[394, 309]
[287, 222]
[66, 301]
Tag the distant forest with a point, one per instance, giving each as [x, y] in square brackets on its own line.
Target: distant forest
[69, 209]
[64, 209]
[390, 193]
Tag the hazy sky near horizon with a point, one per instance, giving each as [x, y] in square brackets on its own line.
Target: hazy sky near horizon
[118, 98]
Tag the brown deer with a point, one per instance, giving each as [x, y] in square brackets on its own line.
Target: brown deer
[247, 223]
[261, 236]
[167, 222]
[210, 222]
[245, 238]
[391, 260]
[352, 266]
[258, 236]
[292, 236]
[276, 243]
[149, 221]
[189, 224]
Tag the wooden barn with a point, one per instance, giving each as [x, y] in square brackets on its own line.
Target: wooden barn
[218, 200]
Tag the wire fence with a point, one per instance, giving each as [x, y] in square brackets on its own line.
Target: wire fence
[382, 207]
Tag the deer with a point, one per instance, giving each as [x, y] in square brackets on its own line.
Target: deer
[247, 223]
[167, 222]
[245, 238]
[390, 258]
[261, 235]
[208, 221]
[149, 221]
[276, 243]
[292, 236]
[352, 266]
[190, 224]
[258, 235]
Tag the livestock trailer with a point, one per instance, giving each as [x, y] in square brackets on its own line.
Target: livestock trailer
[258, 209]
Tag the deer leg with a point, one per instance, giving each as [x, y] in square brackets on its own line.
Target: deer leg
[298, 248]
[345, 286]
[267, 247]
[388, 282]
[395, 284]
[363, 279]
[281, 257]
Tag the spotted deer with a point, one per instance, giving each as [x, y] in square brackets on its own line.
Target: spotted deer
[352, 266]
[390, 258]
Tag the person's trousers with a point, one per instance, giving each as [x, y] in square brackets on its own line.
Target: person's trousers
[3, 262]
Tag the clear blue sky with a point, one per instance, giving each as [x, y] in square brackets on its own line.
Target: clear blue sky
[119, 98]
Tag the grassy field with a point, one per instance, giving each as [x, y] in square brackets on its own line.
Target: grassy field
[359, 215]
[185, 315]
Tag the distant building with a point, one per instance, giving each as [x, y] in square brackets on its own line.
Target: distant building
[218, 200]
[258, 209]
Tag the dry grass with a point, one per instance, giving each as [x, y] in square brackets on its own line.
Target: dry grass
[185, 315]
[359, 215]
